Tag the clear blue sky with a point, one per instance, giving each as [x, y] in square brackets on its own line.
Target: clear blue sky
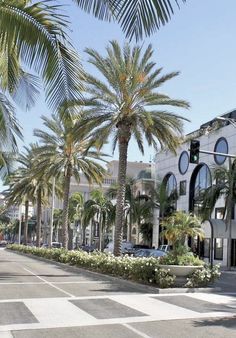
[199, 42]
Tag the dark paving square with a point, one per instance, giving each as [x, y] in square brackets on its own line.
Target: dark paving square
[196, 305]
[106, 308]
[15, 313]
[29, 291]
[101, 331]
[189, 328]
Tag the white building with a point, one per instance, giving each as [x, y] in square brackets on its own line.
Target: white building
[190, 180]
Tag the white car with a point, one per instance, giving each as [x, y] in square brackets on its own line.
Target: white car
[125, 246]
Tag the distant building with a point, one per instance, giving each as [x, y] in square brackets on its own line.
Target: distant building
[133, 169]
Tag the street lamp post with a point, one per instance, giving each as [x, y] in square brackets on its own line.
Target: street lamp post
[52, 211]
[20, 221]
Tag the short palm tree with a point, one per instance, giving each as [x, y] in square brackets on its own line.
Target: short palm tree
[179, 226]
[225, 182]
[126, 104]
[102, 209]
[66, 150]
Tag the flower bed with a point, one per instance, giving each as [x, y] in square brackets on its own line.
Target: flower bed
[143, 270]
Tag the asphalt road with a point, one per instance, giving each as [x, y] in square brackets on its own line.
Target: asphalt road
[44, 300]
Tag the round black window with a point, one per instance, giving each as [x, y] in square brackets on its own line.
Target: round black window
[221, 146]
[183, 162]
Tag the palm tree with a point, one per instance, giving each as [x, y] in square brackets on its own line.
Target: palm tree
[27, 186]
[225, 180]
[20, 186]
[33, 34]
[57, 221]
[101, 208]
[179, 226]
[137, 18]
[76, 208]
[67, 150]
[125, 106]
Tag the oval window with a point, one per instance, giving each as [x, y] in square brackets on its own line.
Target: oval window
[221, 146]
[183, 162]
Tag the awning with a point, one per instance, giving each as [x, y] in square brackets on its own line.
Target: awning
[219, 228]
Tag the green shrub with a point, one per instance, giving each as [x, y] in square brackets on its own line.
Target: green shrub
[185, 259]
[203, 277]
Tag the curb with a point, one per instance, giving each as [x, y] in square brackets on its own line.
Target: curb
[139, 287]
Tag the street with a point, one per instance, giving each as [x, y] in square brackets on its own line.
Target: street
[40, 299]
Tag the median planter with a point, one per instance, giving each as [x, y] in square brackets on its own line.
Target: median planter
[181, 270]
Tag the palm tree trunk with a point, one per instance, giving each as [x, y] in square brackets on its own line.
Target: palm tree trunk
[100, 231]
[123, 139]
[65, 213]
[39, 218]
[26, 222]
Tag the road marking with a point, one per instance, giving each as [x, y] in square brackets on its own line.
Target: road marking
[38, 283]
[141, 334]
[6, 334]
[46, 282]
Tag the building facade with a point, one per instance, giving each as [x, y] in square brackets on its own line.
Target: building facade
[186, 182]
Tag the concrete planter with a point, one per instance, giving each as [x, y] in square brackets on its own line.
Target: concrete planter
[180, 270]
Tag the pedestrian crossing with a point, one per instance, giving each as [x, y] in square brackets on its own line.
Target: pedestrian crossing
[39, 313]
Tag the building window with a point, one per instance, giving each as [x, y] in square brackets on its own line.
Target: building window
[200, 181]
[170, 195]
[206, 247]
[221, 146]
[182, 187]
[218, 252]
[219, 213]
[183, 162]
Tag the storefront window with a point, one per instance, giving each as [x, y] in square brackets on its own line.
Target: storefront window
[206, 248]
[218, 248]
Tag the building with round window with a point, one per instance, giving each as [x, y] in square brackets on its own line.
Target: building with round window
[185, 183]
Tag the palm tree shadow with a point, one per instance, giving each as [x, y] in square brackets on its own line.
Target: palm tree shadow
[227, 322]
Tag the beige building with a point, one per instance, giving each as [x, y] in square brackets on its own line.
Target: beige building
[133, 169]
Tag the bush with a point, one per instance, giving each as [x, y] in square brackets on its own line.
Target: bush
[144, 270]
[185, 259]
[203, 277]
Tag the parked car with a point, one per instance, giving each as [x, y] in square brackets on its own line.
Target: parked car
[165, 247]
[149, 253]
[137, 247]
[56, 245]
[125, 247]
[3, 243]
[87, 248]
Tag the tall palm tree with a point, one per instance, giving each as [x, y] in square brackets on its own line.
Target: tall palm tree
[34, 34]
[66, 150]
[225, 182]
[126, 105]
[137, 18]
[101, 208]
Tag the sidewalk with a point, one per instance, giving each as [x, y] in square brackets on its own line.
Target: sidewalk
[227, 281]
